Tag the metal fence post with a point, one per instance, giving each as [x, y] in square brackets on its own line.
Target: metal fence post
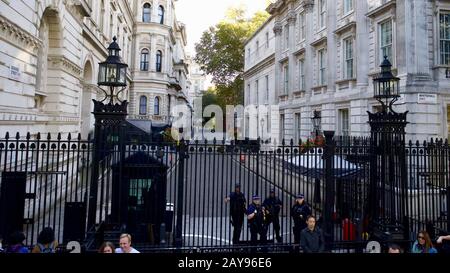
[178, 240]
[448, 209]
[330, 190]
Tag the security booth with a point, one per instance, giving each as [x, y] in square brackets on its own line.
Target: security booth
[138, 201]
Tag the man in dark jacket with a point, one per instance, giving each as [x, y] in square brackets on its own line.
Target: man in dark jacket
[272, 206]
[237, 211]
[312, 240]
[299, 212]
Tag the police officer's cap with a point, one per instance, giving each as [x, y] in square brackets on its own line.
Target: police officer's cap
[237, 185]
[256, 197]
[300, 196]
[272, 190]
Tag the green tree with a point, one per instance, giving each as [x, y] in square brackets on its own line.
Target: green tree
[221, 54]
[209, 98]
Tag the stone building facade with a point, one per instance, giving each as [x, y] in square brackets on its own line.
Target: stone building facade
[50, 50]
[328, 52]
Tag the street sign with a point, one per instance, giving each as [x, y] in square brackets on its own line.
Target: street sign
[427, 98]
[14, 72]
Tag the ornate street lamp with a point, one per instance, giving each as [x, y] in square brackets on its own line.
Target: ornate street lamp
[113, 72]
[109, 122]
[386, 86]
[388, 168]
[316, 122]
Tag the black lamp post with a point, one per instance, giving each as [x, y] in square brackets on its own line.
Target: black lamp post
[109, 124]
[388, 174]
[316, 122]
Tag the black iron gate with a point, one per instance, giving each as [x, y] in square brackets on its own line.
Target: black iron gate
[172, 194]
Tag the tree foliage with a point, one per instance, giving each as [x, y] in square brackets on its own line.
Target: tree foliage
[221, 54]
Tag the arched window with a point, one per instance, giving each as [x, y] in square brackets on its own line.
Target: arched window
[144, 59]
[143, 105]
[146, 13]
[158, 61]
[102, 15]
[161, 14]
[156, 108]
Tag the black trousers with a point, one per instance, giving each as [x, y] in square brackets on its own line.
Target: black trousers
[255, 230]
[237, 221]
[276, 225]
[297, 230]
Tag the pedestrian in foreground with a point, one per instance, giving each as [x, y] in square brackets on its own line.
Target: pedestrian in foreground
[125, 244]
[423, 244]
[312, 240]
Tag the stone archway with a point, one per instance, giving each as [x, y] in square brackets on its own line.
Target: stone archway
[48, 78]
[87, 119]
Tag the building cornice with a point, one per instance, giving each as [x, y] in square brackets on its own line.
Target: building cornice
[66, 65]
[16, 35]
[260, 65]
[319, 41]
[382, 9]
[351, 26]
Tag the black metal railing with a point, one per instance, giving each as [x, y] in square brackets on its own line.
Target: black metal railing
[171, 195]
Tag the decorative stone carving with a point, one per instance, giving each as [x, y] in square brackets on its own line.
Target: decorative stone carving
[61, 62]
[278, 29]
[308, 5]
[18, 36]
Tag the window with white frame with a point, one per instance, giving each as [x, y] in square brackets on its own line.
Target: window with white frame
[267, 39]
[386, 39]
[248, 94]
[281, 127]
[301, 71]
[344, 122]
[286, 78]
[267, 89]
[444, 43]
[156, 106]
[286, 36]
[269, 122]
[143, 105]
[161, 14]
[348, 58]
[247, 126]
[257, 91]
[348, 6]
[257, 48]
[322, 13]
[146, 13]
[302, 27]
[144, 59]
[322, 67]
[298, 127]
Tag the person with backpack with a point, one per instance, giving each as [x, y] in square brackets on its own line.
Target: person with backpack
[46, 242]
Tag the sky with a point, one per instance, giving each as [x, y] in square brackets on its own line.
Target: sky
[199, 15]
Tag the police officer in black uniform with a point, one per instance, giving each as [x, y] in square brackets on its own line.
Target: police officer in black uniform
[272, 206]
[299, 213]
[256, 221]
[237, 211]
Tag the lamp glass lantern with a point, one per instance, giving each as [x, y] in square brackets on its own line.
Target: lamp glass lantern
[316, 121]
[386, 85]
[113, 71]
